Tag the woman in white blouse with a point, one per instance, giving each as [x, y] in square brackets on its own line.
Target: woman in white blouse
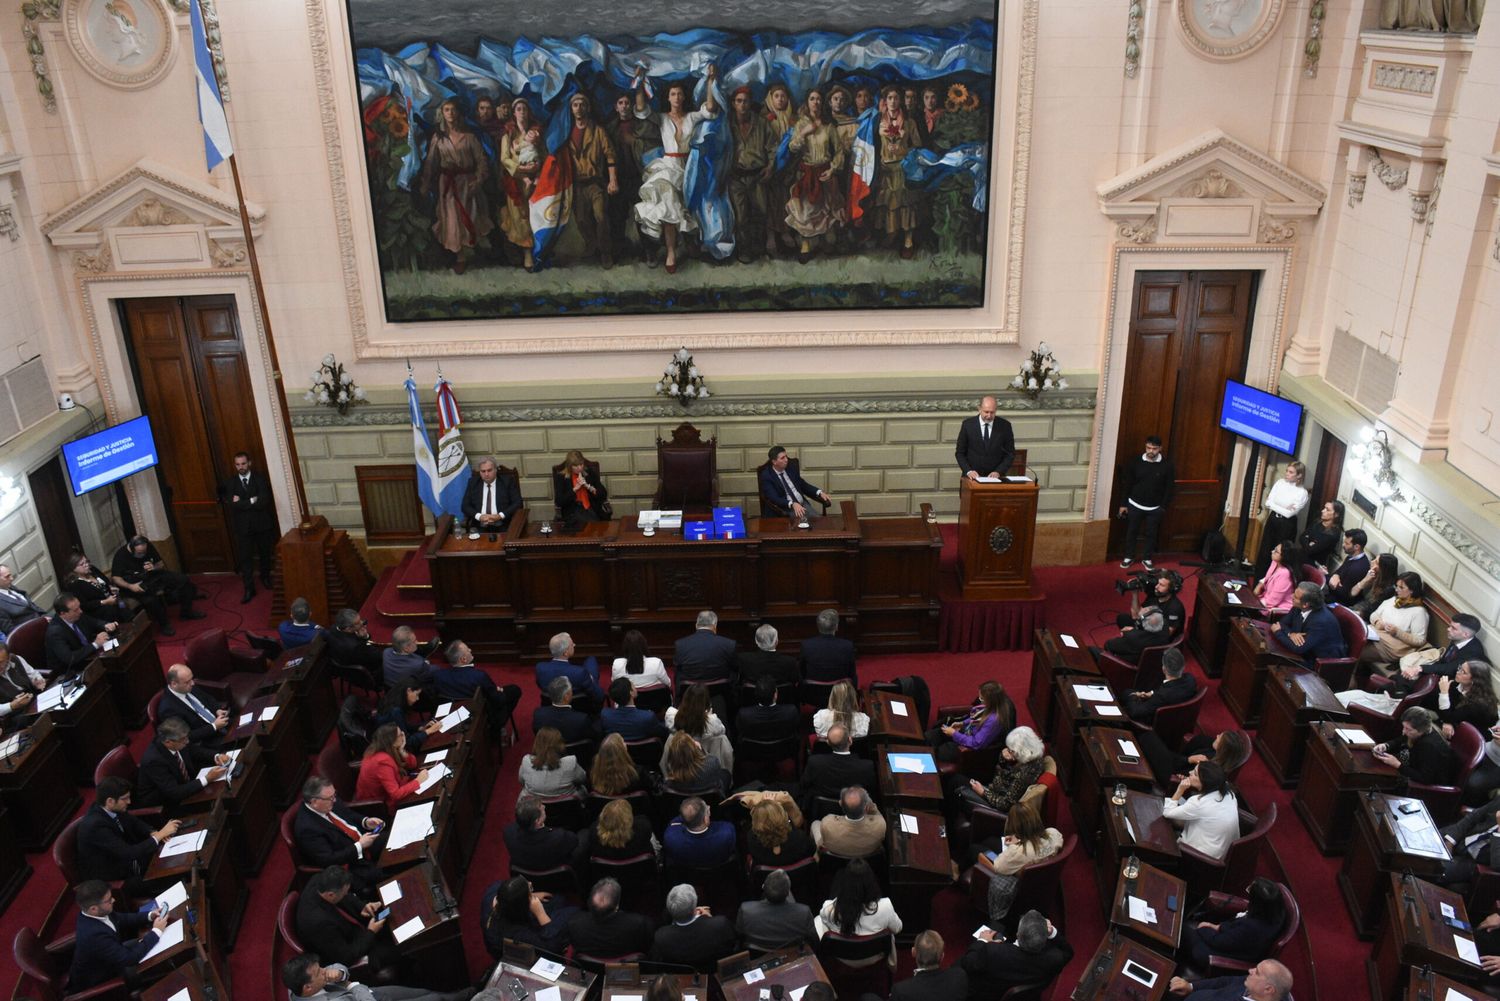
[857, 906]
[1210, 817]
[547, 772]
[637, 664]
[843, 707]
[1399, 626]
[1285, 501]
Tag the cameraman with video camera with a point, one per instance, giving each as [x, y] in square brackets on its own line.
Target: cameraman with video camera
[1162, 586]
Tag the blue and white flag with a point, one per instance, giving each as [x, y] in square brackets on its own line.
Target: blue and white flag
[705, 183]
[927, 169]
[216, 145]
[427, 470]
[453, 462]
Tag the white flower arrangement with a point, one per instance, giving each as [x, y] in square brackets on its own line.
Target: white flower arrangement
[1039, 373]
[682, 380]
[333, 386]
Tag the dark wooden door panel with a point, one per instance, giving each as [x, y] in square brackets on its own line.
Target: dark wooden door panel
[55, 516]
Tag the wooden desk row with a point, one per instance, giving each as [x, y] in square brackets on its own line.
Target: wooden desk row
[739, 978]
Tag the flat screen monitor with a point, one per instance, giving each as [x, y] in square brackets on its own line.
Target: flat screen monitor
[1260, 416]
[103, 457]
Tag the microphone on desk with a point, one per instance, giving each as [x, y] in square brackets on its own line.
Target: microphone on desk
[440, 898]
[201, 965]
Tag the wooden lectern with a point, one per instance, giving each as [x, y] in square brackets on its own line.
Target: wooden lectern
[996, 530]
[321, 564]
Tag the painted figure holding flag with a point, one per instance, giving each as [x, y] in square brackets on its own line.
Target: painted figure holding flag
[662, 212]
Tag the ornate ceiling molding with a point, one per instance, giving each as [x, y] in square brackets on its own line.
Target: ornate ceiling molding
[1210, 147]
[32, 13]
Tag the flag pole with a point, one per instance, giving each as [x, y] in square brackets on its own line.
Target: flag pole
[265, 321]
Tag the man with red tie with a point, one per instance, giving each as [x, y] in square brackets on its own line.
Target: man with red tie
[327, 832]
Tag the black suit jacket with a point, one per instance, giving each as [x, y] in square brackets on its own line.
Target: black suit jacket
[538, 849]
[619, 934]
[828, 774]
[325, 930]
[703, 656]
[160, 781]
[65, 651]
[100, 955]
[322, 844]
[933, 985]
[507, 499]
[347, 648]
[573, 724]
[13, 612]
[827, 658]
[1168, 693]
[1472, 823]
[995, 967]
[767, 722]
[699, 944]
[566, 501]
[1349, 573]
[772, 489]
[985, 458]
[199, 731]
[752, 665]
[255, 511]
[113, 848]
[1452, 658]
[1429, 761]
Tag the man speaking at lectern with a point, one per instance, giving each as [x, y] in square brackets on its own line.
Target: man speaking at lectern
[986, 444]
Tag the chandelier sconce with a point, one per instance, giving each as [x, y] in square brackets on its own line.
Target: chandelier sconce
[1370, 459]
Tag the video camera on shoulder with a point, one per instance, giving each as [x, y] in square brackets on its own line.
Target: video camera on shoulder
[1145, 581]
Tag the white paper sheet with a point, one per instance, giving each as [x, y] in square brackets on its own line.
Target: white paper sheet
[454, 718]
[408, 929]
[796, 995]
[175, 894]
[1356, 737]
[203, 774]
[1108, 710]
[1130, 830]
[411, 824]
[173, 934]
[755, 976]
[989, 479]
[110, 644]
[444, 709]
[186, 994]
[390, 893]
[1447, 910]
[547, 970]
[1068, 641]
[183, 843]
[906, 763]
[268, 713]
[435, 774]
[982, 929]
[1094, 693]
[549, 994]
[246, 718]
[898, 709]
[1233, 598]
[1466, 950]
[1452, 995]
[54, 698]
[908, 824]
[1141, 911]
[435, 756]
[1128, 747]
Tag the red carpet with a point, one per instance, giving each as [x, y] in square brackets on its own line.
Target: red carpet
[1079, 601]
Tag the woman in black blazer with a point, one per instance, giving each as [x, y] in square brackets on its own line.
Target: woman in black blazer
[579, 493]
[1244, 937]
[100, 599]
[1467, 697]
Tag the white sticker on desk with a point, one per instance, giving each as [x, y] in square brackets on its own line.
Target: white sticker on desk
[1069, 641]
[898, 709]
[444, 709]
[268, 713]
[908, 824]
[246, 718]
[549, 970]
[1448, 911]
[1466, 950]
[186, 994]
[408, 929]
[549, 994]
[1107, 710]
[390, 893]
[796, 995]
[755, 976]
[1233, 599]
[1128, 747]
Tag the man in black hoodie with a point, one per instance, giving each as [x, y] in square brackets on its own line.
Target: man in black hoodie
[1146, 483]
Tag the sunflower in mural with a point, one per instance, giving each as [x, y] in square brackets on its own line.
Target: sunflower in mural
[958, 97]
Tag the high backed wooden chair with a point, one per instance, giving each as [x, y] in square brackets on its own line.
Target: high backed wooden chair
[687, 471]
[29, 641]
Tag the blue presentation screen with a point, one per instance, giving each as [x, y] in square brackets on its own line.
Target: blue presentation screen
[109, 455]
[1271, 420]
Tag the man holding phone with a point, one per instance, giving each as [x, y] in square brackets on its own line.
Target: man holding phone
[341, 927]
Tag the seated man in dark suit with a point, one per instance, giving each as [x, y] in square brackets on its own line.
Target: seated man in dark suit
[765, 662]
[1463, 646]
[326, 832]
[1037, 956]
[583, 677]
[929, 981]
[402, 662]
[1472, 841]
[1350, 572]
[696, 839]
[1268, 981]
[603, 930]
[1152, 631]
[491, 501]
[304, 976]
[827, 775]
[1177, 686]
[693, 936]
[1309, 630]
[782, 484]
[72, 638]
[115, 844]
[462, 678]
[349, 643]
[340, 927]
[827, 657]
[776, 920]
[533, 845]
[108, 943]
[207, 720]
[625, 719]
[170, 765]
[558, 713]
[767, 719]
[16, 605]
[705, 655]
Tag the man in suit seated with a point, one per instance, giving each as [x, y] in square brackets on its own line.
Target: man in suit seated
[72, 638]
[1463, 646]
[491, 501]
[1036, 957]
[929, 981]
[326, 832]
[349, 643]
[1268, 981]
[300, 629]
[533, 845]
[1309, 630]
[108, 943]
[305, 977]
[16, 605]
[767, 719]
[1350, 572]
[693, 936]
[462, 678]
[583, 677]
[705, 656]
[858, 832]
[1152, 631]
[207, 720]
[827, 775]
[826, 656]
[113, 843]
[602, 930]
[335, 923]
[775, 920]
[1177, 686]
[625, 719]
[986, 443]
[782, 484]
[558, 713]
[170, 765]
[402, 663]
[765, 662]
[696, 839]
[20, 683]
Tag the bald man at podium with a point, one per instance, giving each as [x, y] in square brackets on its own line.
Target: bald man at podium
[986, 444]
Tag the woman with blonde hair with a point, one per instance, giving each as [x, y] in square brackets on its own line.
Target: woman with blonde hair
[1284, 502]
[613, 772]
[694, 715]
[619, 834]
[579, 493]
[547, 772]
[689, 770]
[775, 838]
[1027, 841]
[843, 707]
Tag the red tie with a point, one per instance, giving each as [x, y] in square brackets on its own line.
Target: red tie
[339, 823]
[180, 766]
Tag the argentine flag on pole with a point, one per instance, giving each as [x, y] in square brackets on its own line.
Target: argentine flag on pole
[216, 145]
[427, 471]
[453, 469]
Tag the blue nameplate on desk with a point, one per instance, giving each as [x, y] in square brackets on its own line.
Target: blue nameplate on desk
[911, 763]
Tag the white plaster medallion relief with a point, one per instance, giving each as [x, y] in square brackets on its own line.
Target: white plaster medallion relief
[1228, 29]
[125, 43]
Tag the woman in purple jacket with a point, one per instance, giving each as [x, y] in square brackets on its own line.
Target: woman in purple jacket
[991, 718]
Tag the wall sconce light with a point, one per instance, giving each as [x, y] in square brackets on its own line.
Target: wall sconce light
[1370, 458]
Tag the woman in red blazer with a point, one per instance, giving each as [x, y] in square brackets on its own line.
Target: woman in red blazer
[384, 772]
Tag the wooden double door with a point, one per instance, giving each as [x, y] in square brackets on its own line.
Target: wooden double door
[190, 369]
[1189, 332]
